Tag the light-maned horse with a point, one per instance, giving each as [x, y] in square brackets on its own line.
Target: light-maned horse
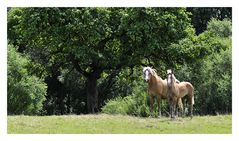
[157, 87]
[177, 91]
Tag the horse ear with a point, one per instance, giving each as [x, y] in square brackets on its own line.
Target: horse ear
[169, 71]
[143, 69]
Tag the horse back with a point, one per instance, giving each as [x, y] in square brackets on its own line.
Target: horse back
[185, 88]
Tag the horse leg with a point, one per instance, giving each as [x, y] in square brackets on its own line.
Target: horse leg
[187, 105]
[191, 107]
[159, 106]
[180, 105]
[151, 99]
[174, 107]
[171, 107]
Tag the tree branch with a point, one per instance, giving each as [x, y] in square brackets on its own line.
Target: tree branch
[78, 68]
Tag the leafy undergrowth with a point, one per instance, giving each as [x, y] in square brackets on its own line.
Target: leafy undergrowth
[118, 124]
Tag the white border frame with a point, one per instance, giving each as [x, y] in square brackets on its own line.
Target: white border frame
[116, 3]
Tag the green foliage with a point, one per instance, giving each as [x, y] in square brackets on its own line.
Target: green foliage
[26, 93]
[216, 91]
[14, 18]
[220, 28]
[211, 75]
[106, 37]
[118, 105]
[202, 15]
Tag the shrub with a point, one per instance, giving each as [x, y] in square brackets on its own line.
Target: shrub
[26, 93]
[118, 105]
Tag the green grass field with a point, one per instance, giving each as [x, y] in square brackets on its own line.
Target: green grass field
[118, 124]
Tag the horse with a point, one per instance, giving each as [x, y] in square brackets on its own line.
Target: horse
[177, 91]
[173, 92]
[157, 87]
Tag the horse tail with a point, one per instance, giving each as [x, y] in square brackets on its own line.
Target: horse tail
[193, 100]
[192, 94]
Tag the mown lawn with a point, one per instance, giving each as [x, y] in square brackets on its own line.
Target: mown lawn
[118, 124]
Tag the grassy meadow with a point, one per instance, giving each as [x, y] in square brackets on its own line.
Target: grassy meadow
[118, 124]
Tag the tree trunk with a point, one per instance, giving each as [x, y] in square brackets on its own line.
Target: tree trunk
[92, 94]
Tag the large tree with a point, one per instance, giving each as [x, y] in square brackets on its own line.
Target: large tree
[95, 40]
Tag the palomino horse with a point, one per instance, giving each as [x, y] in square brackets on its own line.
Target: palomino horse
[156, 87]
[177, 91]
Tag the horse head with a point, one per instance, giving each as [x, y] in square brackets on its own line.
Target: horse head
[147, 73]
[170, 78]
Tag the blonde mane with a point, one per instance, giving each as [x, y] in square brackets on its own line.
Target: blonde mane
[154, 73]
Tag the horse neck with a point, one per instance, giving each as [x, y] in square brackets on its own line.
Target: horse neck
[155, 79]
[173, 84]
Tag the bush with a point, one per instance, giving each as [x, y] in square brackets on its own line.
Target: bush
[26, 93]
[215, 92]
[118, 105]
